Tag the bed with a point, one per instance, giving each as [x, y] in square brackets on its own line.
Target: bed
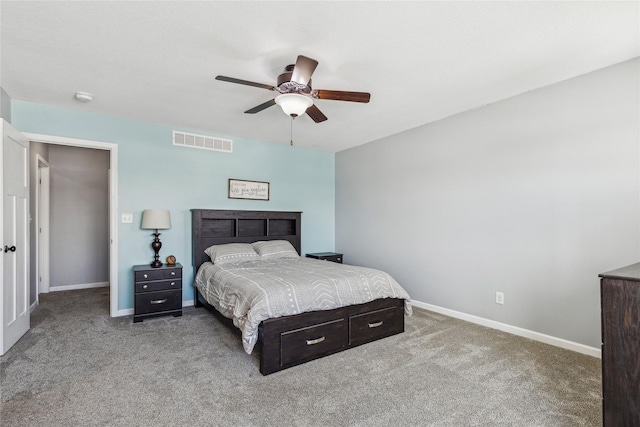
[286, 341]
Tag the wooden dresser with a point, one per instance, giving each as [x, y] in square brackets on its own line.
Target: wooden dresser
[620, 300]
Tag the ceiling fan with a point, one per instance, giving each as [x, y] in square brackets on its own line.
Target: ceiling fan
[295, 92]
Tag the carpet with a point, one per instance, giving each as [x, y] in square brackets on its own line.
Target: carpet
[79, 367]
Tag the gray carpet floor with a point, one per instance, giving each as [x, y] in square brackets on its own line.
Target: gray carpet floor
[79, 367]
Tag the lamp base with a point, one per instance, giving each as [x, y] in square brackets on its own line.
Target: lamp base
[156, 245]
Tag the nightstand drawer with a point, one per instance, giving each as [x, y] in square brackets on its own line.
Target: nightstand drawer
[159, 274]
[161, 285]
[154, 302]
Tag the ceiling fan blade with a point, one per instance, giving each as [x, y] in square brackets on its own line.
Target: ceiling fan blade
[339, 95]
[303, 69]
[315, 114]
[261, 107]
[243, 82]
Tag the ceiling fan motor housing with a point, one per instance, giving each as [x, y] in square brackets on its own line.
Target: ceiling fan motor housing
[286, 85]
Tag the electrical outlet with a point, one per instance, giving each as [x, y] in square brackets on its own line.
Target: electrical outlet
[127, 218]
[499, 298]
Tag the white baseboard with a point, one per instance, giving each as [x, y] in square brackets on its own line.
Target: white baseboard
[78, 286]
[123, 312]
[537, 336]
[33, 306]
[129, 311]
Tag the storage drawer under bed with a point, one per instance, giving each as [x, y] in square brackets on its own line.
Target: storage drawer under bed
[292, 340]
[308, 343]
[373, 325]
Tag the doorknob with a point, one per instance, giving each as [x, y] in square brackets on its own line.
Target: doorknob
[7, 248]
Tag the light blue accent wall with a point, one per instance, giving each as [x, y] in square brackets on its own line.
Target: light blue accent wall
[154, 174]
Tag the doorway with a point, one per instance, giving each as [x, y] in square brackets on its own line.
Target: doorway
[41, 227]
[112, 203]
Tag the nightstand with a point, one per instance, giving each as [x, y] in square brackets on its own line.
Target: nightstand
[327, 256]
[158, 291]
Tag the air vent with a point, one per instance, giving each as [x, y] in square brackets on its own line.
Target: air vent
[201, 141]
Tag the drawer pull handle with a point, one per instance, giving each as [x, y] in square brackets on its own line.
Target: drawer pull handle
[316, 341]
[145, 276]
[375, 324]
[173, 273]
[158, 301]
[145, 287]
[173, 283]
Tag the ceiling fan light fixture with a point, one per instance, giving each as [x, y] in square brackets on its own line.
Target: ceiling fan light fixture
[294, 104]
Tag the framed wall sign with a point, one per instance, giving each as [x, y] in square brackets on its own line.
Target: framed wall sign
[252, 190]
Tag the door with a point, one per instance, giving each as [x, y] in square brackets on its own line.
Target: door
[14, 237]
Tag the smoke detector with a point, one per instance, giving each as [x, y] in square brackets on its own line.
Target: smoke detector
[84, 96]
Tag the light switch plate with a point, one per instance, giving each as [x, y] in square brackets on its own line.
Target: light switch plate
[127, 218]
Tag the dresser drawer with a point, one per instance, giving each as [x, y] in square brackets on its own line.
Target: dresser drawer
[376, 324]
[159, 274]
[309, 342]
[154, 302]
[161, 285]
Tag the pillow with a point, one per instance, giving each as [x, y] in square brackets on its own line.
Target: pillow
[231, 252]
[273, 249]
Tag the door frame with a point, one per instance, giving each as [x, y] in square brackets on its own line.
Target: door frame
[42, 226]
[113, 205]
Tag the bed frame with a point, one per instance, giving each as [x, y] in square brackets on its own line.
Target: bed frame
[288, 341]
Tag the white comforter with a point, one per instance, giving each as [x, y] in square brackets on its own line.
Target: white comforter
[252, 291]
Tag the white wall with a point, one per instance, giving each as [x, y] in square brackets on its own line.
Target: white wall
[79, 239]
[532, 196]
[5, 106]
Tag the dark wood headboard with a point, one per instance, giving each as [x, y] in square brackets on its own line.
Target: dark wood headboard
[215, 227]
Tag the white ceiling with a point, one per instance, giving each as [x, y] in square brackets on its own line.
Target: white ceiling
[421, 61]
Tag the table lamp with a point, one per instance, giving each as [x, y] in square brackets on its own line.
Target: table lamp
[156, 219]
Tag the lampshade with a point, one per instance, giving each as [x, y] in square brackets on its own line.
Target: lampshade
[294, 104]
[156, 219]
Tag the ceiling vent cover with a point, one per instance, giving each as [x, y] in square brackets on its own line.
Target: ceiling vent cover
[203, 142]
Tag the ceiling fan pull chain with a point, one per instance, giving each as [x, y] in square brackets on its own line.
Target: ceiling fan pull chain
[291, 142]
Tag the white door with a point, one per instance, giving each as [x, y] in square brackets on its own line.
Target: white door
[14, 237]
